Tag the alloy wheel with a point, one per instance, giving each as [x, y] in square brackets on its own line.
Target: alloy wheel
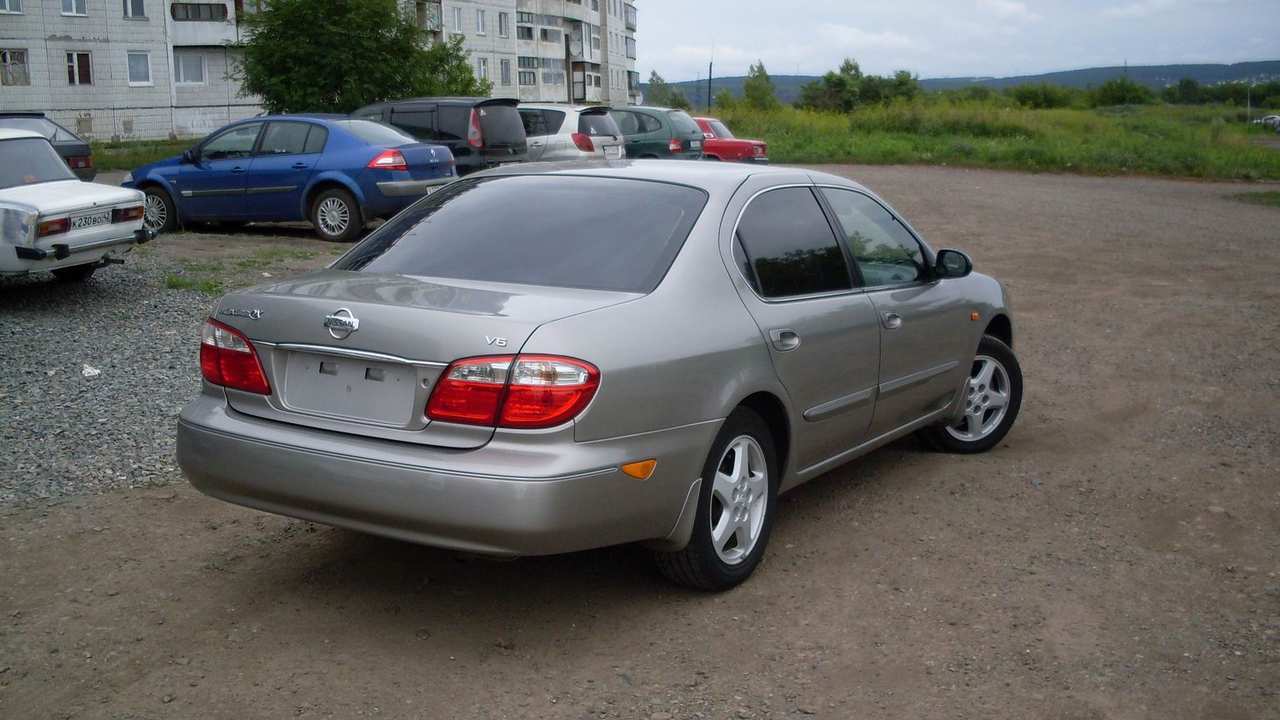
[334, 216]
[739, 499]
[155, 212]
[986, 400]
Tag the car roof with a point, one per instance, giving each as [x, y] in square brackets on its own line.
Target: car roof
[563, 106]
[14, 134]
[452, 100]
[22, 114]
[650, 108]
[717, 176]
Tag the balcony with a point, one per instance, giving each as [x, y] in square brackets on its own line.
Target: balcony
[630, 12]
[429, 15]
[202, 24]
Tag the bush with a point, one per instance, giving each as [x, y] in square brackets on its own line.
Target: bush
[1120, 91]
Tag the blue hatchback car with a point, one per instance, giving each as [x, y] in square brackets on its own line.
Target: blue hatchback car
[333, 171]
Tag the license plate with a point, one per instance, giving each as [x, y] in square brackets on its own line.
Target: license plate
[696, 144]
[351, 389]
[80, 222]
[613, 152]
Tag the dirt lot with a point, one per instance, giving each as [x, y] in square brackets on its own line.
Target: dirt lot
[1117, 557]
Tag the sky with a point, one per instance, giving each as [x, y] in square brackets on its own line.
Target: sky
[948, 38]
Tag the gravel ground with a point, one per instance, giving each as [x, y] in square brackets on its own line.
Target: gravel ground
[1117, 557]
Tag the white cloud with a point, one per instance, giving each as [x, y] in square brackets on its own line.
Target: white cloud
[1008, 10]
[1139, 9]
[856, 38]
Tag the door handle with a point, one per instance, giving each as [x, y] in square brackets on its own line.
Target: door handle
[536, 143]
[892, 321]
[784, 339]
[299, 166]
[237, 169]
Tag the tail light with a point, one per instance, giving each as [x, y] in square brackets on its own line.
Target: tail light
[583, 141]
[80, 162]
[126, 214]
[674, 145]
[389, 160]
[475, 138]
[513, 391]
[53, 227]
[227, 358]
[758, 149]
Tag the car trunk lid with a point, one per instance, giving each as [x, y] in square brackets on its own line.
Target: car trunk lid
[427, 161]
[360, 352]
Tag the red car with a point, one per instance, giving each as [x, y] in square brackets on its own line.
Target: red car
[720, 144]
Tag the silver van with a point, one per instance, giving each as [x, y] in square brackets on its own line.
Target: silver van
[571, 132]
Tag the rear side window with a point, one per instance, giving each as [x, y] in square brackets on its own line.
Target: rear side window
[376, 133]
[648, 123]
[419, 123]
[684, 124]
[562, 231]
[453, 122]
[284, 138]
[790, 247]
[886, 254]
[538, 123]
[316, 139]
[597, 124]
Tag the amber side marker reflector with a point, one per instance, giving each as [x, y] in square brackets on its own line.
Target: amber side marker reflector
[640, 470]
[974, 316]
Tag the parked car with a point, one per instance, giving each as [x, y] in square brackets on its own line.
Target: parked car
[571, 132]
[654, 132]
[336, 172]
[50, 220]
[73, 149]
[480, 132]
[1271, 121]
[720, 144]
[548, 358]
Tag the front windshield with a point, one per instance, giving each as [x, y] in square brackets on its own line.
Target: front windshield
[27, 161]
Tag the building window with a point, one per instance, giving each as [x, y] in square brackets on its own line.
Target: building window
[529, 63]
[13, 68]
[79, 69]
[135, 8]
[482, 68]
[504, 69]
[198, 11]
[74, 7]
[188, 68]
[524, 32]
[10, 6]
[595, 5]
[504, 25]
[631, 48]
[457, 19]
[524, 17]
[552, 36]
[480, 22]
[139, 68]
[528, 77]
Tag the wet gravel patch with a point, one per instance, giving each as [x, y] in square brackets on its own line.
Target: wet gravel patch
[92, 378]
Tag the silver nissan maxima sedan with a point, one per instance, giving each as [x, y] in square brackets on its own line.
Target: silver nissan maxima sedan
[547, 358]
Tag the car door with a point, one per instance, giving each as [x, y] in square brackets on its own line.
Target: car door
[923, 347]
[212, 186]
[640, 131]
[285, 158]
[822, 331]
[537, 131]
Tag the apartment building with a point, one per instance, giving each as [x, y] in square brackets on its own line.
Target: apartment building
[123, 69]
[545, 50]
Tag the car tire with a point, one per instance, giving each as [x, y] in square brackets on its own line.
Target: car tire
[992, 400]
[159, 212]
[336, 216]
[733, 521]
[75, 273]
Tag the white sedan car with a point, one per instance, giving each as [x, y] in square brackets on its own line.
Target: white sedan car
[52, 221]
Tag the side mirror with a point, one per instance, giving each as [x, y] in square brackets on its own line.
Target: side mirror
[188, 157]
[952, 264]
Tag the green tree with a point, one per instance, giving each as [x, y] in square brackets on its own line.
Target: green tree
[658, 91]
[307, 56]
[1186, 92]
[757, 90]
[725, 99]
[677, 100]
[1120, 91]
[837, 91]
[1040, 96]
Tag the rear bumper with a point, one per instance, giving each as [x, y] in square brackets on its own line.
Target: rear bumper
[428, 496]
[57, 255]
[412, 188]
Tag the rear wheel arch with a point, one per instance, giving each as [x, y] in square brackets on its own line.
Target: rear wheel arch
[319, 186]
[770, 408]
[1001, 328]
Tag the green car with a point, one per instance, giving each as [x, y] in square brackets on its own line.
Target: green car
[655, 132]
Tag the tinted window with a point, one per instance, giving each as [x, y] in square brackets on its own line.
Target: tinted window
[789, 244]
[719, 129]
[684, 124]
[628, 122]
[599, 233]
[885, 252]
[234, 143]
[375, 133]
[284, 138]
[538, 123]
[648, 123]
[453, 122]
[598, 124]
[316, 139]
[554, 119]
[26, 161]
[501, 125]
[419, 123]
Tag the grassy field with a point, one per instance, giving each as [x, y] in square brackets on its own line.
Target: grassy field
[1203, 142]
[129, 155]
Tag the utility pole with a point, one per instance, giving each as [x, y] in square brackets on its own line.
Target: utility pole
[710, 69]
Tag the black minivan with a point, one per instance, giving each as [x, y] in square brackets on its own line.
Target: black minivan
[481, 132]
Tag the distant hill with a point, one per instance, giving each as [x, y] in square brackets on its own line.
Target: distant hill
[1154, 76]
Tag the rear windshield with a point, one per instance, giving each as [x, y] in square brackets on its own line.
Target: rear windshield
[45, 127]
[719, 129]
[681, 121]
[27, 161]
[501, 125]
[375, 133]
[598, 124]
[562, 231]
